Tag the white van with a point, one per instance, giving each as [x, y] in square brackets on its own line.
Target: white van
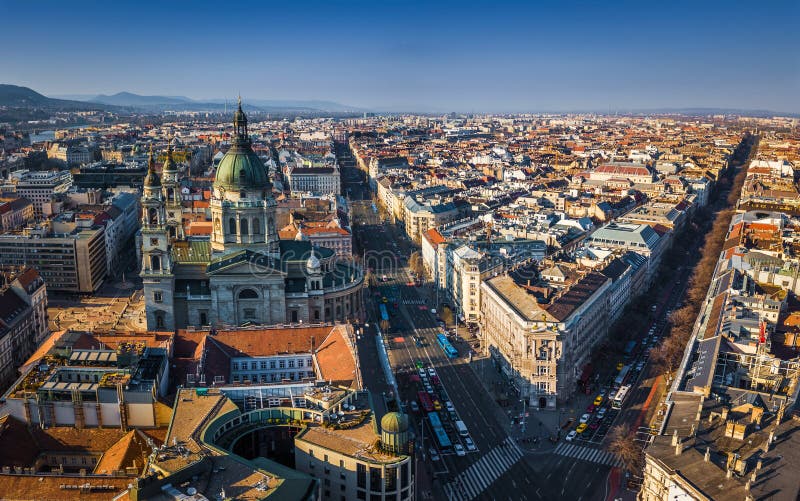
[462, 428]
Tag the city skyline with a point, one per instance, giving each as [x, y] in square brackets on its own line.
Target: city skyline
[398, 57]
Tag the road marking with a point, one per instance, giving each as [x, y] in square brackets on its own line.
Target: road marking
[481, 474]
[588, 454]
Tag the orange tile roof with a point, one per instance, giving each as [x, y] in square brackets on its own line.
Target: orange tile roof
[129, 451]
[267, 342]
[335, 357]
[434, 237]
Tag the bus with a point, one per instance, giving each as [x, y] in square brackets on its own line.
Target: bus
[629, 348]
[384, 313]
[425, 401]
[448, 348]
[438, 430]
[621, 376]
[620, 397]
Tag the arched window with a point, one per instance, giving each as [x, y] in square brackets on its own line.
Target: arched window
[159, 319]
[256, 226]
[243, 226]
[155, 263]
[248, 294]
[170, 194]
[232, 226]
[152, 216]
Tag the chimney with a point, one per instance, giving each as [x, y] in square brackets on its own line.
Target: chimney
[675, 437]
[707, 456]
[678, 449]
[729, 472]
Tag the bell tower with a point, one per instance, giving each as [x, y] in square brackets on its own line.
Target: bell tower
[156, 273]
[172, 195]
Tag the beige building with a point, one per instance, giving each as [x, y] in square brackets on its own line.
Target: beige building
[542, 333]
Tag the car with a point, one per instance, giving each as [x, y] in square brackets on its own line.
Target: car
[612, 394]
[449, 406]
[601, 414]
[640, 366]
[603, 392]
[470, 444]
[598, 400]
[437, 405]
[453, 416]
[435, 380]
[444, 396]
[414, 406]
[428, 388]
[460, 450]
[620, 365]
[585, 418]
[590, 408]
[581, 428]
[594, 426]
[434, 454]
[571, 436]
[654, 307]
[431, 371]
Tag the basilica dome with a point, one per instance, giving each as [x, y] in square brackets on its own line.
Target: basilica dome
[241, 168]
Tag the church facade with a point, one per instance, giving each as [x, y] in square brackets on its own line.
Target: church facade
[243, 275]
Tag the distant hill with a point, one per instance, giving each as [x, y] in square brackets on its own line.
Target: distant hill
[15, 96]
[134, 100]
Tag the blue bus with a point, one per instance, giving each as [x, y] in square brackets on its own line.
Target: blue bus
[384, 313]
[629, 348]
[438, 431]
[448, 348]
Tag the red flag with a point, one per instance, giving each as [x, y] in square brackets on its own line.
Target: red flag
[762, 327]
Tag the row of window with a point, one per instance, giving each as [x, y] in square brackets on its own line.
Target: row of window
[273, 364]
[273, 377]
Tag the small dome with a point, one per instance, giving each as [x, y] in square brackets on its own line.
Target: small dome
[151, 179]
[313, 264]
[394, 422]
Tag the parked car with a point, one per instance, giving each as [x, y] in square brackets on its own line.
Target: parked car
[601, 414]
[460, 450]
[571, 436]
[581, 428]
[598, 400]
[585, 418]
[449, 406]
[414, 406]
[431, 371]
[453, 416]
[590, 408]
[434, 454]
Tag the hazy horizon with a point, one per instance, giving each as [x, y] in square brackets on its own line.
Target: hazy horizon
[389, 56]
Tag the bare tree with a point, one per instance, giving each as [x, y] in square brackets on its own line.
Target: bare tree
[626, 449]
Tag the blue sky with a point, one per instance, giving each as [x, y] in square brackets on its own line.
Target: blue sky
[416, 56]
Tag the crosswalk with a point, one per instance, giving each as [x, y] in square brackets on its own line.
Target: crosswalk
[587, 454]
[408, 301]
[480, 475]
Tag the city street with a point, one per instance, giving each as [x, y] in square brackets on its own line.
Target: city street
[502, 466]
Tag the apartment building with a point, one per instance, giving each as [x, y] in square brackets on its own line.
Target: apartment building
[15, 213]
[540, 327]
[324, 180]
[41, 187]
[23, 320]
[636, 237]
[71, 257]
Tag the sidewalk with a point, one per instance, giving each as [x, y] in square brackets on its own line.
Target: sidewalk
[534, 423]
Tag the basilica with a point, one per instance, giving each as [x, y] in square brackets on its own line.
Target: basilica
[242, 275]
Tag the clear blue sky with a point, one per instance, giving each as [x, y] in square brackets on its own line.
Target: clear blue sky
[406, 55]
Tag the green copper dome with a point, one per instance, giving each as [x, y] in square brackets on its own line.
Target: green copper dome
[394, 422]
[241, 168]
